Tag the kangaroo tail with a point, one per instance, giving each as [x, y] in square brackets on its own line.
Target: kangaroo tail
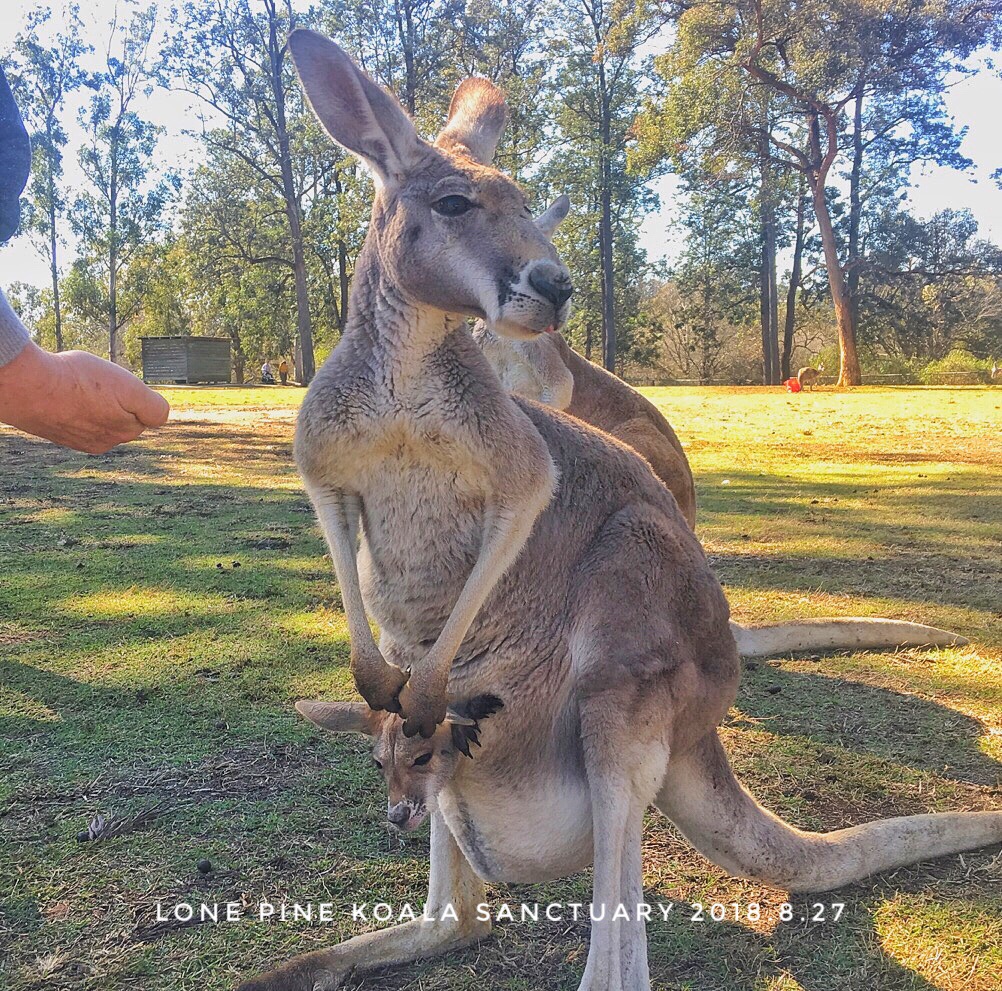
[724, 822]
[838, 634]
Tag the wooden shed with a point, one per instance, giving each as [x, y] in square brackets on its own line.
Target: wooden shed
[186, 360]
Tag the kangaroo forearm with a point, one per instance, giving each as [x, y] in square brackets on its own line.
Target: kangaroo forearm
[505, 535]
[338, 514]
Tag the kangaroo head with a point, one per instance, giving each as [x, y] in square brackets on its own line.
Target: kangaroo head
[415, 769]
[450, 232]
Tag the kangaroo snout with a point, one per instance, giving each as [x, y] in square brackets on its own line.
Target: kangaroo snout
[399, 814]
[552, 282]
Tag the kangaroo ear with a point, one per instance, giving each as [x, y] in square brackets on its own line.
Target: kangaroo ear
[465, 717]
[549, 221]
[342, 717]
[476, 120]
[355, 111]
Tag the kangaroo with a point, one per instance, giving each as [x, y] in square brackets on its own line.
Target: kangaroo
[547, 370]
[530, 751]
[605, 640]
[996, 371]
[405, 430]
[809, 376]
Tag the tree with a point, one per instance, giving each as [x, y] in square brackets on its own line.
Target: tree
[597, 92]
[43, 74]
[816, 60]
[932, 286]
[407, 45]
[710, 128]
[715, 277]
[120, 211]
[235, 62]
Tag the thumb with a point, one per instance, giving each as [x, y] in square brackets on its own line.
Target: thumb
[147, 406]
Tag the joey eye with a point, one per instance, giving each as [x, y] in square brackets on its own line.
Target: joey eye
[452, 206]
[378, 765]
[423, 759]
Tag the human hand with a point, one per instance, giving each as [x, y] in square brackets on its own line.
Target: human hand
[77, 399]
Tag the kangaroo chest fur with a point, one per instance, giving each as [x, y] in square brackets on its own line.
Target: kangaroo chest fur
[411, 447]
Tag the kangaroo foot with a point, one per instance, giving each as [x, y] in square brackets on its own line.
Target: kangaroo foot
[309, 972]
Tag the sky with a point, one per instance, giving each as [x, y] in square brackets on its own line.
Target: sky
[974, 102]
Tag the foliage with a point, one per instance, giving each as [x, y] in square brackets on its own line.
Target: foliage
[122, 208]
[43, 75]
[734, 97]
[955, 368]
[790, 74]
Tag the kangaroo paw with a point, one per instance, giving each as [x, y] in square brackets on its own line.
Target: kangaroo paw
[379, 682]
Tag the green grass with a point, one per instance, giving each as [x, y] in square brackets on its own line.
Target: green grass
[140, 665]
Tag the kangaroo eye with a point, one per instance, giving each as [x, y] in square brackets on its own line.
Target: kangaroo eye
[377, 763]
[423, 759]
[452, 206]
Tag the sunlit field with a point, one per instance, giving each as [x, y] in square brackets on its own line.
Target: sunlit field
[161, 608]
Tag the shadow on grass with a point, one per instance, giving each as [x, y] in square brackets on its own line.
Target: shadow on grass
[137, 659]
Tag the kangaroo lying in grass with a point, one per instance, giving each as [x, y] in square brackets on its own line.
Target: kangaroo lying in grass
[545, 369]
[606, 638]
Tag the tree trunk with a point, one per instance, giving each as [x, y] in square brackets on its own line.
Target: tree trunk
[768, 292]
[113, 266]
[605, 237]
[849, 370]
[405, 31]
[796, 274]
[343, 284]
[53, 261]
[303, 325]
[855, 206]
[608, 284]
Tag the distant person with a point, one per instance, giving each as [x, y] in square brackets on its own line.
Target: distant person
[283, 372]
[73, 398]
[267, 376]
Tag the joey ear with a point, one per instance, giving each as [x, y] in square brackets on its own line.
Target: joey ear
[465, 717]
[550, 219]
[355, 111]
[342, 717]
[476, 120]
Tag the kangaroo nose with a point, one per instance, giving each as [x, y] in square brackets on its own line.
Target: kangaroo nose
[552, 283]
[399, 814]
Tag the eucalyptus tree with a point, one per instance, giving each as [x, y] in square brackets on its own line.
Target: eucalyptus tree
[507, 43]
[232, 57]
[407, 45]
[122, 205]
[819, 62]
[43, 73]
[596, 95]
[932, 286]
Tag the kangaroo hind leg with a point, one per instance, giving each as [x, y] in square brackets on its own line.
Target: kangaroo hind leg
[452, 883]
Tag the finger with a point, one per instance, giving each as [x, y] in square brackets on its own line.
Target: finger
[147, 406]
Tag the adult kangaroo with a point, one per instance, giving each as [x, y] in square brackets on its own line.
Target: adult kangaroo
[547, 370]
[808, 376]
[606, 638]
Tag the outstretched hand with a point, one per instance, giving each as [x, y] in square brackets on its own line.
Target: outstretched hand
[77, 399]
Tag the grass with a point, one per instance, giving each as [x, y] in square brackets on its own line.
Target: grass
[162, 606]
